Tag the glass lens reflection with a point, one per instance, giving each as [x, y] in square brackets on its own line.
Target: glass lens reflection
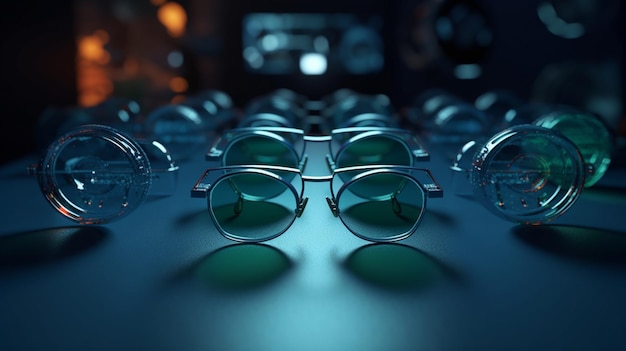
[373, 150]
[531, 175]
[94, 179]
[252, 207]
[381, 206]
[261, 150]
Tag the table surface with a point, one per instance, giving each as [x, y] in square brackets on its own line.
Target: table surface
[163, 278]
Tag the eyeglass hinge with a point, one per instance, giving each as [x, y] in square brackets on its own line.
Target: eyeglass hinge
[434, 190]
[214, 153]
[200, 190]
[421, 154]
[333, 206]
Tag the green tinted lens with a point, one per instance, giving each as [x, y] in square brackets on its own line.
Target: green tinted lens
[260, 150]
[381, 206]
[374, 150]
[589, 134]
[252, 206]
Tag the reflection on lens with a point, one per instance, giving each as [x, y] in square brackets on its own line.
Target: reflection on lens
[178, 127]
[381, 206]
[252, 207]
[260, 150]
[374, 150]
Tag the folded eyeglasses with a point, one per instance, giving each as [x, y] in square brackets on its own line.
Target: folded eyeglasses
[96, 174]
[253, 203]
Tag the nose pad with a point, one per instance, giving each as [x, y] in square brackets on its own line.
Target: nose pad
[333, 206]
[301, 206]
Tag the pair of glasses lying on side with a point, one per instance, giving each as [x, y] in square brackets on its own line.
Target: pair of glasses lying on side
[253, 203]
[95, 174]
[348, 147]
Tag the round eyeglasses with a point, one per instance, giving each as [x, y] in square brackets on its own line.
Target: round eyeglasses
[346, 108]
[444, 118]
[253, 203]
[525, 173]
[118, 112]
[186, 126]
[96, 174]
[347, 147]
[280, 108]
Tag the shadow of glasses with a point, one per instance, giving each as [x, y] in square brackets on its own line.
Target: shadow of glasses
[396, 267]
[605, 194]
[582, 243]
[241, 267]
[47, 245]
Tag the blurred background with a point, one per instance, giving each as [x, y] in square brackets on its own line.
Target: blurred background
[81, 52]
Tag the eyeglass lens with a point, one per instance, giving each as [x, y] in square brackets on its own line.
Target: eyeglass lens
[373, 150]
[269, 148]
[252, 206]
[380, 206]
[261, 150]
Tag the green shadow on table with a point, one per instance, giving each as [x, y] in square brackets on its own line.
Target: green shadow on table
[240, 267]
[582, 243]
[605, 194]
[42, 246]
[396, 267]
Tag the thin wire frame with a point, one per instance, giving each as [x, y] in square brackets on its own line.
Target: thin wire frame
[287, 177]
[293, 143]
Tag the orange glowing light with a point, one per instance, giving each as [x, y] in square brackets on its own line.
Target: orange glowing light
[173, 16]
[92, 48]
[178, 84]
[92, 81]
[177, 99]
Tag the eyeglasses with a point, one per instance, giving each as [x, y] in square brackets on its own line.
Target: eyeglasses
[344, 108]
[253, 203]
[95, 174]
[347, 147]
[526, 173]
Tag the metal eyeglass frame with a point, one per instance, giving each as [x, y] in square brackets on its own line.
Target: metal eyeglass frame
[430, 189]
[292, 136]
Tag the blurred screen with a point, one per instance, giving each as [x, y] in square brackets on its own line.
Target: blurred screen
[312, 43]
